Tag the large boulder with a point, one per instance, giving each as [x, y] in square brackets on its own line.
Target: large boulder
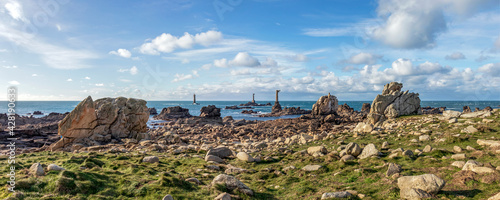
[393, 103]
[422, 186]
[210, 112]
[173, 113]
[369, 151]
[325, 105]
[97, 122]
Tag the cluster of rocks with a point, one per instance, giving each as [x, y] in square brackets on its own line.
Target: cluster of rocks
[250, 103]
[237, 108]
[286, 111]
[173, 113]
[431, 110]
[249, 112]
[393, 103]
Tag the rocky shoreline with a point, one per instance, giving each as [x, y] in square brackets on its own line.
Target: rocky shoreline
[329, 137]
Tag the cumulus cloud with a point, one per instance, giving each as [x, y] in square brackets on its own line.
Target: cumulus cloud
[10, 67]
[245, 60]
[34, 75]
[363, 58]
[167, 43]
[455, 56]
[221, 63]
[99, 84]
[69, 80]
[87, 78]
[121, 52]
[416, 23]
[492, 69]
[181, 77]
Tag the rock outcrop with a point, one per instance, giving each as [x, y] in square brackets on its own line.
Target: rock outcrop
[173, 113]
[325, 105]
[365, 108]
[210, 112]
[94, 123]
[393, 103]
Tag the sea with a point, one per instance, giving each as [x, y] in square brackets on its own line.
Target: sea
[25, 108]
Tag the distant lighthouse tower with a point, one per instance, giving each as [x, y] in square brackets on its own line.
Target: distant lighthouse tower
[253, 98]
[194, 100]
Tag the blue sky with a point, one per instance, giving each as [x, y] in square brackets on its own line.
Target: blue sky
[229, 49]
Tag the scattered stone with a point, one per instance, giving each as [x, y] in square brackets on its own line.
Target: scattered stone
[489, 143]
[369, 151]
[393, 169]
[469, 148]
[470, 129]
[422, 186]
[244, 157]
[424, 138]
[353, 149]
[316, 150]
[334, 195]
[457, 149]
[496, 197]
[451, 114]
[346, 158]
[453, 120]
[385, 145]
[408, 153]
[459, 164]
[479, 114]
[232, 183]
[194, 180]
[427, 149]
[460, 156]
[474, 166]
[168, 197]
[151, 159]
[363, 127]
[54, 167]
[213, 158]
[310, 168]
[37, 169]
[221, 152]
[223, 196]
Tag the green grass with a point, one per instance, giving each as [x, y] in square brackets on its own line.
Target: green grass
[124, 176]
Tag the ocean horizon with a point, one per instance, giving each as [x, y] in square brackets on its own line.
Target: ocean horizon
[25, 108]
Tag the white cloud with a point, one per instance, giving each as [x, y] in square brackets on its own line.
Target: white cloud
[10, 67]
[240, 72]
[69, 80]
[167, 43]
[34, 75]
[416, 23]
[299, 58]
[455, 56]
[134, 70]
[99, 84]
[58, 27]
[181, 77]
[245, 60]
[185, 61]
[363, 58]
[87, 78]
[121, 52]
[3, 50]
[14, 82]
[15, 10]
[492, 69]
[221, 63]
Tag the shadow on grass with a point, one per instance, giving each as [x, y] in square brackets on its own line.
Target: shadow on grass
[466, 193]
